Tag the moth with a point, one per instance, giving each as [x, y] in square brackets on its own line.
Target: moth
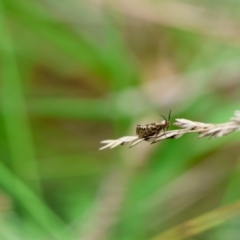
[153, 129]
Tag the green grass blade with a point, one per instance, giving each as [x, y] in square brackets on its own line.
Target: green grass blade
[14, 109]
[40, 213]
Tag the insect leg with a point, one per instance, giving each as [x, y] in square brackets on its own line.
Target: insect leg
[156, 135]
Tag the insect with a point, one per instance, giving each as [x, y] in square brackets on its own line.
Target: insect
[151, 129]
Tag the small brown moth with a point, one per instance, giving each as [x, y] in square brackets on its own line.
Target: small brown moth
[151, 129]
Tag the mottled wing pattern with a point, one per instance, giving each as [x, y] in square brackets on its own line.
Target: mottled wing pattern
[148, 130]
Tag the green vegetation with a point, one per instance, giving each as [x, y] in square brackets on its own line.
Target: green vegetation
[74, 73]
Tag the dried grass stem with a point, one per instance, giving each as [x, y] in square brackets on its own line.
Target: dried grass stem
[186, 126]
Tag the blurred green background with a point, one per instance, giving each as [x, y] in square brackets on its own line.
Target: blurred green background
[73, 73]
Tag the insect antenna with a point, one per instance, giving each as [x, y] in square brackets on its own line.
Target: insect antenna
[166, 121]
[163, 117]
[169, 115]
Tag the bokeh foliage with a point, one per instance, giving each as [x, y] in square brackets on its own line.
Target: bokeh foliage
[74, 73]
